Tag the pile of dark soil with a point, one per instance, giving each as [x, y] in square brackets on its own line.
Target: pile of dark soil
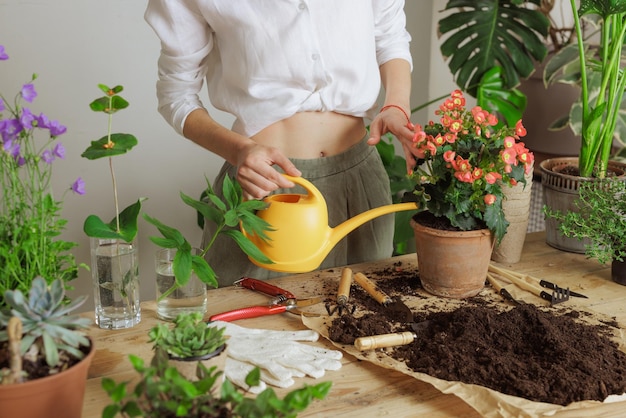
[538, 353]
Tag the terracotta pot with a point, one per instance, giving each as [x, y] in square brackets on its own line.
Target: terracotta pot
[59, 395]
[560, 191]
[452, 264]
[618, 272]
[187, 366]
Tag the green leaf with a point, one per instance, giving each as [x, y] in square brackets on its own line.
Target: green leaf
[205, 210]
[247, 246]
[204, 272]
[168, 232]
[481, 34]
[122, 143]
[509, 104]
[96, 228]
[254, 377]
[182, 266]
[232, 192]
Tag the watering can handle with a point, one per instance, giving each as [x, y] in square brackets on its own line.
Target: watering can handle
[312, 191]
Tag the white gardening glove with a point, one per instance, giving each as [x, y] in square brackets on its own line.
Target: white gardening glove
[278, 354]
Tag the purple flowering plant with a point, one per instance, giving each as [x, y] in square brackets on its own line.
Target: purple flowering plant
[30, 215]
[124, 224]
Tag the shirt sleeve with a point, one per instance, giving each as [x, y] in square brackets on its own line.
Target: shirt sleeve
[186, 41]
[392, 38]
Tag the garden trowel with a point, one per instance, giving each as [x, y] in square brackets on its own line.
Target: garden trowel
[404, 315]
[401, 312]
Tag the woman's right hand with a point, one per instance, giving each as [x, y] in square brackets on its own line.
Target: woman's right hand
[256, 174]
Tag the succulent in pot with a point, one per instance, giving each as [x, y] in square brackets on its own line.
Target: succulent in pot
[43, 350]
[189, 341]
[189, 337]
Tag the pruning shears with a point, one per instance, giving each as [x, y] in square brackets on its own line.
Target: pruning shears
[282, 301]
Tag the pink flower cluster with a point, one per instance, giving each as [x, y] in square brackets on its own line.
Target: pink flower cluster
[456, 120]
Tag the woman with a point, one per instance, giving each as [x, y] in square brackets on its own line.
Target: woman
[300, 77]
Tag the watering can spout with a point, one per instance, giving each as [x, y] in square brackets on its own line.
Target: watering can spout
[301, 237]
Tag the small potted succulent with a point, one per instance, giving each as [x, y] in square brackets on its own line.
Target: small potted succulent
[188, 342]
[600, 220]
[163, 392]
[43, 352]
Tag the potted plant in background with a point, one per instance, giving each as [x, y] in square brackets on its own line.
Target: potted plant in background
[188, 342]
[44, 353]
[186, 266]
[495, 44]
[601, 219]
[490, 45]
[597, 117]
[463, 165]
[30, 215]
[114, 252]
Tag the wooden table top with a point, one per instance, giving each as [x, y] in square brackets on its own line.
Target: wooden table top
[359, 387]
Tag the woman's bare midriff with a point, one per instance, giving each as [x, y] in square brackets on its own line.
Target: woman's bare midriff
[313, 134]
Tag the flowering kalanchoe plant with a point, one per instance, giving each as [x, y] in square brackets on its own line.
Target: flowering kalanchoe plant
[463, 165]
[30, 220]
[124, 225]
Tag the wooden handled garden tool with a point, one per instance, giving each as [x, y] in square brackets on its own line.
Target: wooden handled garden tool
[391, 340]
[384, 340]
[381, 297]
[500, 289]
[529, 284]
[343, 294]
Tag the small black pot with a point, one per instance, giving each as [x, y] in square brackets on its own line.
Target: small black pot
[618, 272]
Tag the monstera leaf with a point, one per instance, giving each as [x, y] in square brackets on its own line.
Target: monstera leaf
[482, 34]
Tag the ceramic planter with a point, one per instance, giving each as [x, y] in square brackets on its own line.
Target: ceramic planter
[516, 207]
[59, 395]
[560, 191]
[618, 272]
[187, 366]
[452, 264]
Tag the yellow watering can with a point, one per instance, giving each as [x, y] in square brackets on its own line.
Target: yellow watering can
[301, 238]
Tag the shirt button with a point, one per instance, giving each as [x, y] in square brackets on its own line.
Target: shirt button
[315, 57]
[302, 5]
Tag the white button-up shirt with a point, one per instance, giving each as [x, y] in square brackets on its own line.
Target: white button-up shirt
[265, 60]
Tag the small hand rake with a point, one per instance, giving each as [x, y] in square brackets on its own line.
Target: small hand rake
[528, 283]
[343, 295]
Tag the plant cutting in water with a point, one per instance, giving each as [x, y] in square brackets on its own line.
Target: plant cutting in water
[124, 224]
[463, 165]
[30, 215]
[227, 214]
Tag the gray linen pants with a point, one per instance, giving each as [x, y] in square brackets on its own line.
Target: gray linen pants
[351, 182]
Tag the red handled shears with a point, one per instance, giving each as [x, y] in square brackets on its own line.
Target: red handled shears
[282, 301]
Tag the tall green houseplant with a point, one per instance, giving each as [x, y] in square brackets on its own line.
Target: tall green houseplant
[601, 101]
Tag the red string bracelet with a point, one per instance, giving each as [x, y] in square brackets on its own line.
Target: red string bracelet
[408, 120]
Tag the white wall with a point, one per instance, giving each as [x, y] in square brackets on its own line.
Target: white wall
[75, 44]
